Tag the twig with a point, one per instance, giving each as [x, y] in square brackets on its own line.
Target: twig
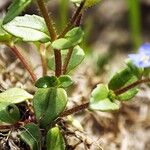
[117, 92]
[75, 110]
[48, 19]
[67, 59]
[70, 51]
[73, 20]
[128, 87]
[17, 125]
[23, 61]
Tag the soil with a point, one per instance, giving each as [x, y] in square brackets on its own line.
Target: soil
[126, 129]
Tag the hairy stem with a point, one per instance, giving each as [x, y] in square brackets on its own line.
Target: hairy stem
[73, 20]
[67, 59]
[75, 110]
[70, 51]
[43, 59]
[128, 87]
[17, 125]
[48, 19]
[53, 35]
[117, 92]
[23, 61]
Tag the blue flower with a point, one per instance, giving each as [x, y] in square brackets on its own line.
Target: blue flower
[142, 59]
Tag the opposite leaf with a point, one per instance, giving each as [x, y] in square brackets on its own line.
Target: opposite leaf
[28, 28]
[14, 95]
[9, 113]
[48, 103]
[31, 136]
[71, 39]
[65, 81]
[128, 95]
[99, 99]
[46, 82]
[76, 58]
[103, 105]
[100, 92]
[55, 140]
[15, 9]
[120, 79]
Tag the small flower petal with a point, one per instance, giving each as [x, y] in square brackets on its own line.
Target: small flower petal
[135, 59]
[140, 60]
[145, 48]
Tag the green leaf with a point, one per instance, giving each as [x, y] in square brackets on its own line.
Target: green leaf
[103, 105]
[15, 9]
[48, 104]
[76, 58]
[99, 99]
[138, 72]
[71, 39]
[9, 113]
[4, 36]
[55, 140]
[28, 28]
[31, 136]
[128, 95]
[14, 95]
[120, 79]
[46, 82]
[100, 92]
[65, 81]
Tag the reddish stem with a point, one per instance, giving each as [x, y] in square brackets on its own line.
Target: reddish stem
[53, 35]
[75, 109]
[67, 59]
[73, 20]
[128, 87]
[23, 61]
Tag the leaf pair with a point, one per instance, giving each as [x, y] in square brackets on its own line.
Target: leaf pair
[63, 81]
[76, 58]
[122, 79]
[100, 99]
[71, 39]
[31, 135]
[103, 98]
[33, 28]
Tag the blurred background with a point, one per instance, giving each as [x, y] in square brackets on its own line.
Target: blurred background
[113, 29]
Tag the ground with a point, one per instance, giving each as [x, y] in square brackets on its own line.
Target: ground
[126, 129]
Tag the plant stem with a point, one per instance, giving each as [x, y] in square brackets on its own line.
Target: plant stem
[23, 61]
[43, 59]
[63, 13]
[75, 110]
[48, 19]
[135, 22]
[73, 20]
[128, 87]
[70, 51]
[67, 59]
[53, 35]
[17, 125]
[117, 92]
